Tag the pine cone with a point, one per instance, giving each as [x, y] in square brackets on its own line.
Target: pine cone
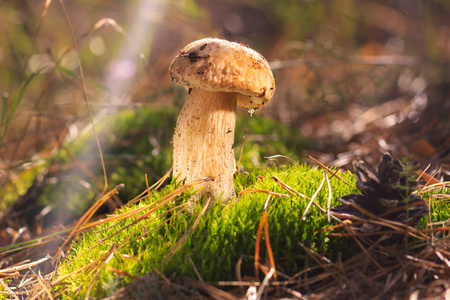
[385, 193]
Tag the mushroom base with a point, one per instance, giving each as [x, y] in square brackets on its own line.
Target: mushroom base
[203, 142]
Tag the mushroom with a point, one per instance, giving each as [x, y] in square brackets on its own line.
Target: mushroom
[218, 75]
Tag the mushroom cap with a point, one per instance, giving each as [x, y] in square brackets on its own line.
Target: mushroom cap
[218, 65]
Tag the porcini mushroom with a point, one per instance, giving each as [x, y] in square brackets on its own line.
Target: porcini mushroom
[218, 75]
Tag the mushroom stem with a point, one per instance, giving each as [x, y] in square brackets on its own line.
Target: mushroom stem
[203, 142]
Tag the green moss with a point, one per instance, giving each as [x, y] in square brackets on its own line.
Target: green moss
[222, 236]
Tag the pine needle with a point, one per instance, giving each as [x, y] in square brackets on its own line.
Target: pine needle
[313, 198]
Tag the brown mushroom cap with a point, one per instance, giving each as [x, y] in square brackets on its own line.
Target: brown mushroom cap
[218, 65]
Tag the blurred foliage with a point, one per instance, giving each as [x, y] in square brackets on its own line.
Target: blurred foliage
[19, 186]
[136, 142]
[125, 49]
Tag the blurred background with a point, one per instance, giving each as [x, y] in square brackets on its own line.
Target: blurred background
[354, 79]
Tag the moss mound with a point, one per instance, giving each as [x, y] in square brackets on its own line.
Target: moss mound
[217, 243]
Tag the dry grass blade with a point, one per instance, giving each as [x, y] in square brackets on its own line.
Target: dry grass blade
[357, 238]
[279, 158]
[320, 259]
[137, 220]
[177, 245]
[269, 248]
[160, 274]
[197, 273]
[313, 198]
[126, 256]
[383, 232]
[20, 267]
[258, 242]
[330, 196]
[388, 223]
[85, 218]
[45, 286]
[440, 196]
[123, 245]
[216, 293]
[294, 293]
[18, 293]
[264, 224]
[148, 189]
[219, 294]
[422, 174]
[237, 268]
[248, 191]
[403, 208]
[123, 217]
[100, 24]
[445, 260]
[265, 283]
[288, 188]
[398, 227]
[160, 182]
[111, 22]
[37, 295]
[316, 256]
[120, 272]
[294, 192]
[97, 274]
[331, 171]
[442, 229]
[155, 186]
[423, 262]
[85, 93]
[430, 179]
[88, 266]
[189, 230]
[152, 208]
[267, 238]
[238, 283]
[431, 187]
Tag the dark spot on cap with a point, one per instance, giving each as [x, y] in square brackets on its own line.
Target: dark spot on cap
[194, 57]
[203, 47]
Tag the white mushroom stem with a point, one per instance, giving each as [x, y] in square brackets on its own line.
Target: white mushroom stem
[203, 142]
